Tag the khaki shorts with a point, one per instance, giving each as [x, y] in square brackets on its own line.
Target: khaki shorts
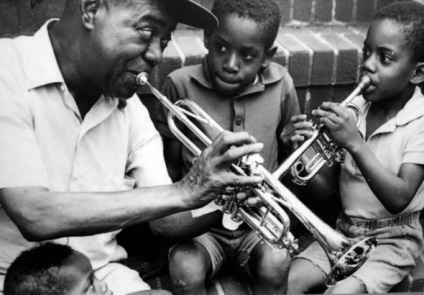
[224, 248]
[400, 242]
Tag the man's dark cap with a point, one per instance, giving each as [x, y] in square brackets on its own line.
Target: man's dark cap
[191, 13]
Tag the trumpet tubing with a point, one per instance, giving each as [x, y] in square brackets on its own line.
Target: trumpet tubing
[323, 149]
[271, 221]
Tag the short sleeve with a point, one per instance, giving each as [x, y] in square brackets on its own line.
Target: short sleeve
[21, 160]
[146, 162]
[414, 151]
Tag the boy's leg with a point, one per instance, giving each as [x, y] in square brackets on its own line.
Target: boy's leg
[269, 269]
[189, 266]
[304, 276]
[347, 286]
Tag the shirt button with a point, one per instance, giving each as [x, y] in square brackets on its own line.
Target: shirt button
[238, 122]
[62, 87]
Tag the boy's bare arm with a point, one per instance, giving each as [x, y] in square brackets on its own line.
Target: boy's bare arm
[394, 191]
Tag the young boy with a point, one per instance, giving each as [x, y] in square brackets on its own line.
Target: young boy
[52, 269]
[381, 180]
[242, 90]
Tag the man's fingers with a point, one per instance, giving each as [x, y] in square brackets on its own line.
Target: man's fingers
[235, 153]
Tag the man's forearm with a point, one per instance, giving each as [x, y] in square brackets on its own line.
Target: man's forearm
[42, 215]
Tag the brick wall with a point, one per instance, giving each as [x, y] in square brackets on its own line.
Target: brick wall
[319, 41]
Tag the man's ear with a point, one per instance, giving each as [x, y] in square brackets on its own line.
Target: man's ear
[88, 9]
[418, 77]
[269, 55]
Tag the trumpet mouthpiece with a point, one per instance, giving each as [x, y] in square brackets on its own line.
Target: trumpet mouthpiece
[141, 79]
[364, 82]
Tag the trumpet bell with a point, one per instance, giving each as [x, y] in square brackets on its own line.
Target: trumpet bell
[351, 260]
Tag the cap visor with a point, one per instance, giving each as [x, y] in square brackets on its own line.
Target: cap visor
[193, 14]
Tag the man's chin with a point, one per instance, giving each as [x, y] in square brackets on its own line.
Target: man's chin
[124, 93]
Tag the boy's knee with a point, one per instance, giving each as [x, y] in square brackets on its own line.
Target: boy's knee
[271, 266]
[187, 266]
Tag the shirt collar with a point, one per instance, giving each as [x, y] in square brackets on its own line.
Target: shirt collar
[42, 68]
[413, 109]
[268, 75]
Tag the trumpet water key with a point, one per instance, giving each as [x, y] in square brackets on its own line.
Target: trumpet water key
[319, 150]
[270, 221]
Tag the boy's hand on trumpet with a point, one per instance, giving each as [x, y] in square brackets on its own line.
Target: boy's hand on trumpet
[297, 131]
[340, 122]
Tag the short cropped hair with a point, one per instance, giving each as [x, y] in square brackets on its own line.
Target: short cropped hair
[265, 13]
[36, 271]
[410, 15]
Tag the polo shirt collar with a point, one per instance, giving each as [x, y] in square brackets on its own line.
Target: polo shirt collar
[412, 110]
[42, 68]
[266, 76]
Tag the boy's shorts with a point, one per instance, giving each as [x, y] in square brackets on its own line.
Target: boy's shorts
[223, 248]
[400, 241]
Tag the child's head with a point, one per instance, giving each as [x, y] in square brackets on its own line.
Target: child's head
[52, 269]
[243, 42]
[393, 54]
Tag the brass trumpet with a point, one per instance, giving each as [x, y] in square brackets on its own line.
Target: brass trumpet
[345, 255]
[271, 222]
[319, 149]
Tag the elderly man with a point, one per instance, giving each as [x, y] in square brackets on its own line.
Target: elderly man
[80, 158]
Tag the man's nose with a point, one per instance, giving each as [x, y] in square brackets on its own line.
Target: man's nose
[154, 53]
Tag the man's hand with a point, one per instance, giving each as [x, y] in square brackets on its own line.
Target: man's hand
[296, 131]
[211, 172]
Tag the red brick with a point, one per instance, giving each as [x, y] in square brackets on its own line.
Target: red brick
[365, 10]
[381, 3]
[358, 40]
[319, 94]
[299, 58]
[302, 10]
[346, 60]
[342, 92]
[190, 42]
[344, 10]
[281, 56]
[285, 8]
[301, 96]
[323, 11]
[206, 3]
[17, 18]
[322, 59]
[8, 18]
